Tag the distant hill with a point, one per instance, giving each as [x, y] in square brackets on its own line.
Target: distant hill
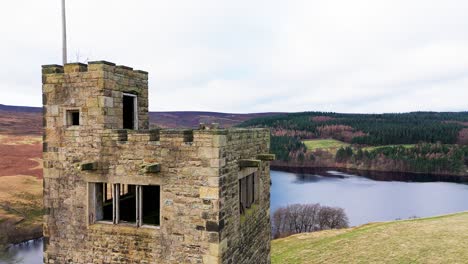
[370, 129]
[22, 109]
[417, 142]
[25, 120]
[193, 119]
[20, 120]
[439, 239]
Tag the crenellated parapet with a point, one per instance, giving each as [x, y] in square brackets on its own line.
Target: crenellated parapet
[96, 67]
[164, 146]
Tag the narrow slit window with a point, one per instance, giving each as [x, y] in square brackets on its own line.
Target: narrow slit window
[130, 113]
[242, 200]
[247, 192]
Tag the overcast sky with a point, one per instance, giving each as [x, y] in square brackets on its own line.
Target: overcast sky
[253, 56]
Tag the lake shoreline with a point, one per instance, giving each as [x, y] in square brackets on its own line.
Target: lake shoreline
[374, 174]
[30, 251]
[366, 200]
[15, 235]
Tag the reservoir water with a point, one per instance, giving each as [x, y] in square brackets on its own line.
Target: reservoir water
[28, 253]
[363, 199]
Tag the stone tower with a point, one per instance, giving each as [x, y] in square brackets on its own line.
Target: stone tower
[116, 191]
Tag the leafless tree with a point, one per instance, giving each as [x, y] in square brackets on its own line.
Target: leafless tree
[300, 218]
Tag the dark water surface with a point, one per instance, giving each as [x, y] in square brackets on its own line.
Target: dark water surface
[366, 200]
[363, 199]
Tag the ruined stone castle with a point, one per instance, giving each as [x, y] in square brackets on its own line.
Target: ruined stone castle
[116, 191]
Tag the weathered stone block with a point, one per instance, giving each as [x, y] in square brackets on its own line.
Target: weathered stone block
[209, 192]
[152, 168]
[53, 68]
[249, 163]
[75, 67]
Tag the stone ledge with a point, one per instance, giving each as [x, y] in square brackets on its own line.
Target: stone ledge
[152, 168]
[266, 157]
[124, 67]
[142, 72]
[124, 229]
[101, 62]
[249, 163]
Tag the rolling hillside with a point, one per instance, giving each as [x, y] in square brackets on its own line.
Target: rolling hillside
[370, 129]
[28, 120]
[419, 142]
[193, 119]
[439, 239]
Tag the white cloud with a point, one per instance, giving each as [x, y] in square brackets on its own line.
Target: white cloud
[250, 56]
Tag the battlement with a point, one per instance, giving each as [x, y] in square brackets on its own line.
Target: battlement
[94, 66]
[197, 137]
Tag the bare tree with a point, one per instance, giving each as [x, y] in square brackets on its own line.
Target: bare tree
[300, 218]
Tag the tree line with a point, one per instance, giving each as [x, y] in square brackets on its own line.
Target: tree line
[302, 218]
[282, 146]
[377, 129]
[423, 157]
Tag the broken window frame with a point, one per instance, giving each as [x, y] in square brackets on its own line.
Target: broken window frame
[117, 191]
[135, 110]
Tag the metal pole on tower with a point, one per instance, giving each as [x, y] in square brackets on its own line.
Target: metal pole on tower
[64, 33]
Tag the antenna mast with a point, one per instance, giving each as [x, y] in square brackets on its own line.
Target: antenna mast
[64, 33]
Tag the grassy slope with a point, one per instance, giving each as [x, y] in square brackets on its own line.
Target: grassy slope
[441, 239]
[377, 147]
[330, 145]
[20, 208]
[333, 144]
[20, 188]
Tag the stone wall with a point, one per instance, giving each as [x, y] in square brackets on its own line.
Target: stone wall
[246, 238]
[200, 220]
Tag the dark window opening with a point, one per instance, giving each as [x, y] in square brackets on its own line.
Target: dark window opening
[127, 203]
[122, 203]
[247, 192]
[188, 136]
[73, 118]
[104, 202]
[129, 111]
[150, 205]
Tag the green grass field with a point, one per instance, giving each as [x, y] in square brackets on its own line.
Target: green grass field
[441, 239]
[377, 147]
[325, 144]
[332, 145]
